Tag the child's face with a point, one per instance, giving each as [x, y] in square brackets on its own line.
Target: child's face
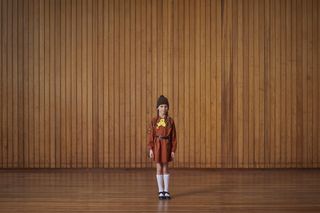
[163, 109]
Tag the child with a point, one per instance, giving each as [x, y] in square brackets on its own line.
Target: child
[162, 144]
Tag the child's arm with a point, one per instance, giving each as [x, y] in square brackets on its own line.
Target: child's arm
[174, 137]
[150, 136]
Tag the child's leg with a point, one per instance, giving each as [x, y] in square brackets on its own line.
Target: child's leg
[165, 177]
[159, 177]
[165, 168]
[159, 169]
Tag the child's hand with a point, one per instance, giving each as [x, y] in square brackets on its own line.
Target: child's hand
[172, 155]
[151, 154]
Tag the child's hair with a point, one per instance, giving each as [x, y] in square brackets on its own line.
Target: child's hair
[162, 100]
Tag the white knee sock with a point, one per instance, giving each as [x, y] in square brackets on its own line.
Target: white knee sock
[166, 182]
[160, 183]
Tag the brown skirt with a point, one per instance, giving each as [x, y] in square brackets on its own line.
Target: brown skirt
[162, 151]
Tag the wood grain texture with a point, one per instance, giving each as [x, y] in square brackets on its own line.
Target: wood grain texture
[135, 190]
[79, 81]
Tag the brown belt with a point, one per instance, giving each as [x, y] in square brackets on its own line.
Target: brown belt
[162, 137]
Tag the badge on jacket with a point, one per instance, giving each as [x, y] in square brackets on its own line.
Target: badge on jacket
[161, 123]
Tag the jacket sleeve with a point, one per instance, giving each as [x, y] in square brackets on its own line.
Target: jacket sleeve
[150, 136]
[174, 137]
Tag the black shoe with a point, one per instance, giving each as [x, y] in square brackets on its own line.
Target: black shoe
[167, 195]
[161, 196]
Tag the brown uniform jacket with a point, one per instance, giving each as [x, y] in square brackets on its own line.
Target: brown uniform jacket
[165, 144]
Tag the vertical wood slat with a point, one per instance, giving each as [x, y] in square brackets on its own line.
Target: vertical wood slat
[52, 89]
[202, 84]
[88, 145]
[36, 88]
[4, 84]
[294, 85]
[20, 82]
[283, 50]
[258, 90]
[84, 82]
[92, 148]
[149, 90]
[197, 73]
[73, 70]
[318, 37]
[1, 88]
[272, 85]
[277, 86]
[304, 83]
[144, 53]
[42, 83]
[79, 82]
[219, 84]
[26, 79]
[245, 84]
[68, 117]
[288, 80]
[111, 83]
[121, 86]
[10, 142]
[315, 79]
[63, 115]
[208, 85]
[192, 69]
[234, 82]
[267, 86]
[105, 85]
[15, 103]
[309, 83]
[58, 67]
[186, 55]
[99, 149]
[318, 80]
[299, 85]
[127, 140]
[14, 79]
[251, 148]
[137, 74]
[239, 95]
[46, 84]
[116, 82]
[261, 88]
[214, 73]
[132, 102]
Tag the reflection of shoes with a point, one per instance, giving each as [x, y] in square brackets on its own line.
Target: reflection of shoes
[167, 195]
[161, 196]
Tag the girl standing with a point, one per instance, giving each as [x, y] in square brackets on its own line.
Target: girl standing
[162, 145]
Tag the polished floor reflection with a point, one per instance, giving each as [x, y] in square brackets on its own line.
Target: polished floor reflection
[134, 190]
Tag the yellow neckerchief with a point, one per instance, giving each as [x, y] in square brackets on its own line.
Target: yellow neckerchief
[161, 123]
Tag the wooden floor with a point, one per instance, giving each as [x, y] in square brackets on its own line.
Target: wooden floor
[113, 190]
